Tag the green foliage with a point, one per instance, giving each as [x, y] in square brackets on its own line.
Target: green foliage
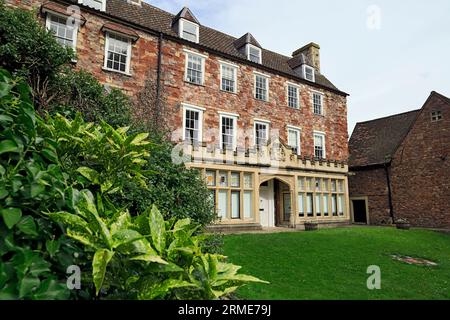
[145, 257]
[30, 181]
[176, 190]
[27, 49]
[79, 91]
[100, 156]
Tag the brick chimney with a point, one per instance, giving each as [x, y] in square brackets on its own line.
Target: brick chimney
[312, 53]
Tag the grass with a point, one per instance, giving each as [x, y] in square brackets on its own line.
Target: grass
[332, 264]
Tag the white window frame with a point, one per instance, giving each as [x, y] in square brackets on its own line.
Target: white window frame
[235, 68]
[75, 29]
[247, 51]
[299, 139]
[297, 87]
[324, 137]
[103, 8]
[261, 122]
[200, 111]
[322, 101]
[304, 67]
[128, 62]
[181, 23]
[262, 75]
[235, 118]
[203, 59]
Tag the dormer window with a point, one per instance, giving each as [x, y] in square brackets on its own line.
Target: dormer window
[254, 54]
[189, 30]
[136, 2]
[96, 4]
[308, 73]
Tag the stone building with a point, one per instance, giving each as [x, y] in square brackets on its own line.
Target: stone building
[267, 131]
[400, 167]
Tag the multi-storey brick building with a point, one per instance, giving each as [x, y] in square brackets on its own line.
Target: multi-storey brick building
[268, 132]
[400, 167]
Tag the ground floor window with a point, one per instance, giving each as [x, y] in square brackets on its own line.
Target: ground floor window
[321, 197]
[232, 193]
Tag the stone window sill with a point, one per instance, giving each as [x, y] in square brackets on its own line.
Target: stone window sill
[116, 71]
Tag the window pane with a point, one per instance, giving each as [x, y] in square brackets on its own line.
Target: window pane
[301, 183]
[194, 69]
[235, 205]
[293, 97]
[235, 179]
[317, 102]
[223, 179]
[117, 52]
[228, 133]
[318, 205]
[223, 203]
[301, 208]
[248, 204]
[325, 205]
[260, 88]
[211, 178]
[228, 78]
[248, 181]
[261, 134]
[334, 205]
[309, 205]
[63, 32]
[341, 205]
[192, 126]
[255, 54]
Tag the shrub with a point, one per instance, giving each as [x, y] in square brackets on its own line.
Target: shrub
[28, 50]
[75, 92]
[145, 257]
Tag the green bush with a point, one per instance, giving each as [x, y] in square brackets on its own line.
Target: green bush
[80, 92]
[28, 50]
[48, 224]
[34, 253]
[176, 190]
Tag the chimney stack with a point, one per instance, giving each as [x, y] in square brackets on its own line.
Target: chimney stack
[312, 53]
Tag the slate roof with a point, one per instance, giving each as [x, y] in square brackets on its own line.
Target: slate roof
[150, 17]
[373, 141]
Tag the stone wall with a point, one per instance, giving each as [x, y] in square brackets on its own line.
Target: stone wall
[421, 169]
[91, 51]
[372, 183]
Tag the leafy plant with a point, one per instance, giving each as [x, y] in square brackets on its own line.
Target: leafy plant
[33, 251]
[145, 257]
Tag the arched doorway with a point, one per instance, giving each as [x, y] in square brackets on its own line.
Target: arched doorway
[276, 203]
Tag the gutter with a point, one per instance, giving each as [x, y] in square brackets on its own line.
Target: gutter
[387, 165]
[158, 73]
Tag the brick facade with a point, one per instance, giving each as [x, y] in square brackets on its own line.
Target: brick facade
[144, 66]
[421, 169]
[419, 172]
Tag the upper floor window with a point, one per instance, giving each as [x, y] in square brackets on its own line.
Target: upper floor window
[318, 103]
[294, 139]
[195, 68]
[96, 4]
[261, 133]
[189, 30]
[228, 131]
[261, 87]
[293, 96]
[436, 116]
[192, 124]
[319, 145]
[117, 53]
[228, 77]
[308, 73]
[64, 33]
[254, 54]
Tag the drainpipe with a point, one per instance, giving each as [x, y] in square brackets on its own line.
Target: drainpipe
[158, 76]
[387, 165]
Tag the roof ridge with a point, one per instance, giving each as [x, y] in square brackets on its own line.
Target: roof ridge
[391, 116]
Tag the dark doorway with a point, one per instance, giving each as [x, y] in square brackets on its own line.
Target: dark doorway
[359, 211]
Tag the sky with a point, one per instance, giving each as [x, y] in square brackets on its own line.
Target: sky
[388, 55]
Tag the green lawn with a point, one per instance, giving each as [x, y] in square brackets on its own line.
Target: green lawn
[332, 264]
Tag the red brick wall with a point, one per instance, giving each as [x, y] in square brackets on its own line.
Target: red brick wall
[421, 170]
[372, 183]
[90, 52]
